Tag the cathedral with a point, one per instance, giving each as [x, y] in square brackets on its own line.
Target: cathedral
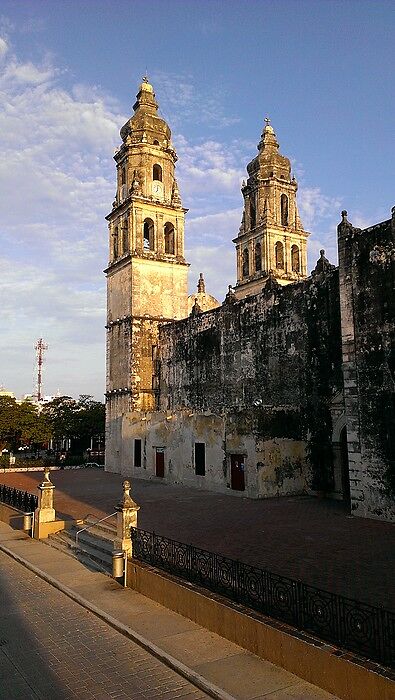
[285, 388]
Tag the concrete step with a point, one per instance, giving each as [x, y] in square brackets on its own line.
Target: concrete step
[67, 547]
[97, 551]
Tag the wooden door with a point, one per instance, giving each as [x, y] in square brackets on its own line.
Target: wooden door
[237, 472]
[160, 462]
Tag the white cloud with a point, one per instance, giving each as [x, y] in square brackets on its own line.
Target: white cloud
[57, 181]
[3, 47]
[181, 101]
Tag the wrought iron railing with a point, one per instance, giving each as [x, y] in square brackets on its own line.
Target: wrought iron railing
[355, 626]
[21, 500]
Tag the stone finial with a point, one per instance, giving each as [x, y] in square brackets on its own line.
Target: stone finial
[47, 480]
[230, 296]
[201, 285]
[195, 308]
[344, 216]
[323, 264]
[175, 195]
[127, 501]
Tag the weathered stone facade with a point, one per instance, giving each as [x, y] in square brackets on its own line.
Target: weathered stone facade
[285, 388]
[367, 285]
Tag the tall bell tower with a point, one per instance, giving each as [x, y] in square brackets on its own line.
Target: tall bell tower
[271, 236]
[147, 272]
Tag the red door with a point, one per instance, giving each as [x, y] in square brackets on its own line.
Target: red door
[237, 472]
[160, 462]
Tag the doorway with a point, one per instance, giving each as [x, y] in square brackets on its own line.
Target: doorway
[237, 464]
[344, 466]
[160, 462]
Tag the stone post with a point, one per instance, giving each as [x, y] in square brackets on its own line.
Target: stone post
[126, 518]
[45, 512]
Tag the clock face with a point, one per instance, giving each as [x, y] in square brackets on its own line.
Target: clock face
[157, 189]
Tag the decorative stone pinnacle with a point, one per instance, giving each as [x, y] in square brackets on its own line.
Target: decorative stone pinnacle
[47, 481]
[127, 500]
[322, 253]
[344, 215]
[267, 121]
[201, 286]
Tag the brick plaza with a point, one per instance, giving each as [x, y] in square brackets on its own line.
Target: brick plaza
[315, 540]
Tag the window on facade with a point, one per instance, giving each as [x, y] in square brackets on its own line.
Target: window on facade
[157, 172]
[279, 250]
[156, 142]
[169, 238]
[246, 263]
[123, 176]
[125, 237]
[148, 234]
[200, 458]
[295, 260]
[284, 210]
[115, 243]
[252, 212]
[258, 257]
[137, 453]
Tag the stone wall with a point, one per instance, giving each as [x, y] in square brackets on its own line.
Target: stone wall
[367, 277]
[269, 366]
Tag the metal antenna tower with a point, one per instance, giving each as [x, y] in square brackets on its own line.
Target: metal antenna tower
[40, 348]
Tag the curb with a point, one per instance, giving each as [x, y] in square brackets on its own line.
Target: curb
[195, 678]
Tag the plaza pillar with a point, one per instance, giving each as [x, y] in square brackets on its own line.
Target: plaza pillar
[126, 518]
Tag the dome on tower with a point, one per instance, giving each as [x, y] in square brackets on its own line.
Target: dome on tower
[146, 126]
[205, 301]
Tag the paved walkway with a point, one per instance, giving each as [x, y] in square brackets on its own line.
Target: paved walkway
[55, 648]
[314, 540]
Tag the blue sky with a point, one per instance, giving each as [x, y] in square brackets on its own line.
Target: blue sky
[69, 71]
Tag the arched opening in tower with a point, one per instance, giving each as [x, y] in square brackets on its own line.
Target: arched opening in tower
[284, 210]
[169, 238]
[148, 237]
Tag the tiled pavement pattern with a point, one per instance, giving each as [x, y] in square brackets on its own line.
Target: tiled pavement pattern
[51, 648]
[71, 649]
[311, 539]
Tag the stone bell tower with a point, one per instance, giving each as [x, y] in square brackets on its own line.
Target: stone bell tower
[271, 237]
[147, 272]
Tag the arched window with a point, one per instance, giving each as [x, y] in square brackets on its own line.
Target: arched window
[156, 142]
[125, 237]
[148, 234]
[115, 243]
[284, 210]
[157, 172]
[258, 257]
[295, 261]
[123, 176]
[169, 238]
[246, 263]
[252, 212]
[279, 250]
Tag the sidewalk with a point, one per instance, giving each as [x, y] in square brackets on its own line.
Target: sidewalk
[215, 666]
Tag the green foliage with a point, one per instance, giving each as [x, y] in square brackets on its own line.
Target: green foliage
[78, 420]
[26, 424]
[21, 424]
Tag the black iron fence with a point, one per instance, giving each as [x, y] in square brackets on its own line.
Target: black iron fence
[22, 500]
[358, 627]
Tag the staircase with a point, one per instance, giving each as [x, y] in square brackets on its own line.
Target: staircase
[95, 546]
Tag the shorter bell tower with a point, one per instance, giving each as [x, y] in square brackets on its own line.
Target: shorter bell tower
[271, 236]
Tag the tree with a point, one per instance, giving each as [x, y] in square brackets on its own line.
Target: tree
[21, 424]
[78, 421]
